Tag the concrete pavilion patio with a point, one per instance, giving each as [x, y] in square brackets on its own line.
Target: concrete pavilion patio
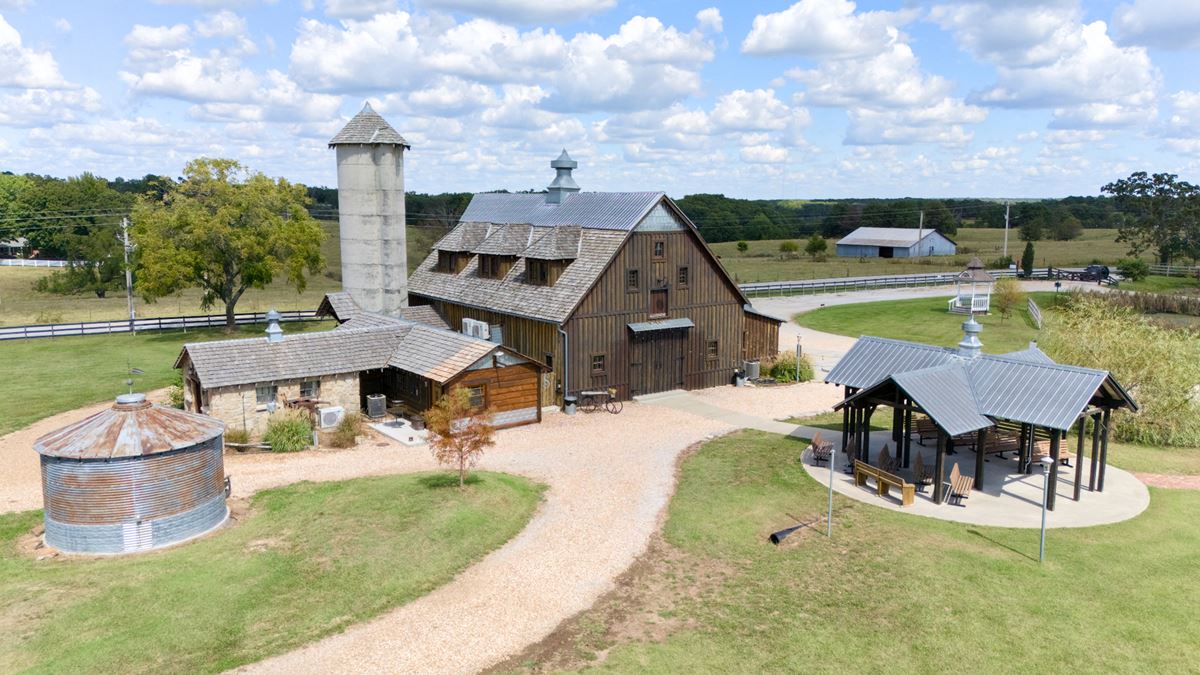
[1008, 498]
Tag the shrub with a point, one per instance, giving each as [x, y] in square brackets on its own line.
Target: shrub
[788, 249]
[346, 434]
[1158, 367]
[1008, 296]
[1001, 263]
[816, 246]
[742, 247]
[238, 436]
[175, 393]
[288, 432]
[783, 368]
[1134, 269]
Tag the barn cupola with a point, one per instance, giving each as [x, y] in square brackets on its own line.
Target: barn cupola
[563, 184]
[970, 346]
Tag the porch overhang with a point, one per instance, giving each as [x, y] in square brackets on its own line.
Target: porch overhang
[664, 324]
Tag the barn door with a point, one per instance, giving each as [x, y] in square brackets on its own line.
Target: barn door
[656, 361]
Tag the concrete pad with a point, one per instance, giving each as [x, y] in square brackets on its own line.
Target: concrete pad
[1008, 498]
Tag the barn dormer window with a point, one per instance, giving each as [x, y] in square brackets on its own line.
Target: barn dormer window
[452, 262]
[495, 266]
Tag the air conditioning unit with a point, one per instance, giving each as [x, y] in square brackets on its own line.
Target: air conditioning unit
[477, 329]
[330, 417]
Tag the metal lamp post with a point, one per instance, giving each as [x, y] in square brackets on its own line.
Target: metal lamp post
[829, 518]
[1045, 462]
[798, 354]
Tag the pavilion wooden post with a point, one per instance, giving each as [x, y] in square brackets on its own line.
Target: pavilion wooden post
[907, 431]
[980, 442]
[846, 421]
[1055, 440]
[1023, 448]
[897, 418]
[866, 433]
[1079, 459]
[1104, 449]
[1095, 452]
[939, 467]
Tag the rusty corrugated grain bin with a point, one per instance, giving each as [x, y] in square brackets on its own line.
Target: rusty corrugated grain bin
[134, 477]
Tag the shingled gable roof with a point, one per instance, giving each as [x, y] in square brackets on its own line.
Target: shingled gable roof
[554, 243]
[367, 128]
[598, 245]
[961, 393]
[511, 239]
[341, 307]
[466, 237]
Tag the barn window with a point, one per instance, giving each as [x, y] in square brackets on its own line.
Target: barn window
[683, 276]
[264, 395]
[711, 349]
[599, 364]
[550, 360]
[477, 396]
[310, 389]
[660, 250]
[631, 280]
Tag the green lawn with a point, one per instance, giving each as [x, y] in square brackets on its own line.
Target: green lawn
[308, 561]
[1160, 284]
[890, 591]
[762, 263]
[925, 320]
[832, 420]
[46, 376]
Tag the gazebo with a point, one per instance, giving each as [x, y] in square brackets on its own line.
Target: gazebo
[995, 403]
[972, 289]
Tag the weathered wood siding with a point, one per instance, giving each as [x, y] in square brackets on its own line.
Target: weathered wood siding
[538, 340]
[762, 338]
[506, 389]
[600, 323]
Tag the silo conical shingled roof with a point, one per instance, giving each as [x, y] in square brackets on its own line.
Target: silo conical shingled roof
[368, 128]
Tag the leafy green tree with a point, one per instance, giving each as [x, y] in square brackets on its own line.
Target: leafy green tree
[1134, 269]
[225, 229]
[1067, 227]
[1008, 296]
[816, 245]
[1027, 259]
[938, 217]
[742, 246]
[788, 249]
[1164, 214]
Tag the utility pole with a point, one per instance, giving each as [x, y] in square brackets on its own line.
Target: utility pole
[128, 272]
[920, 233]
[1007, 205]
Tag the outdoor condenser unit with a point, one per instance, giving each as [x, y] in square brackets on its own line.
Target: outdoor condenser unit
[376, 406]
[330, 417]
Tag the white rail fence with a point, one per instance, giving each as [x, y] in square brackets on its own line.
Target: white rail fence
[124, 326]
[805, 286]
[1035, 313]
[1175, 270]
[21, 262]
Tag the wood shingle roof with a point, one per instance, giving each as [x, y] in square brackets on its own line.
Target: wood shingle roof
[367, 128]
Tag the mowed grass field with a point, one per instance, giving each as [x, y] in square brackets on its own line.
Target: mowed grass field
[889, 592]
[21, 305]
[762, 262]
[926, 320]
[306, 561]
[46, 376]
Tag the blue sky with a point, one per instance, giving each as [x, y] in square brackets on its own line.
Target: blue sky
[819, 98]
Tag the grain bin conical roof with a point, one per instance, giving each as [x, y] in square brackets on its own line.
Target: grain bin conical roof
[132, 427]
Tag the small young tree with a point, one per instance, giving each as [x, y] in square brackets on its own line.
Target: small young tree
[1008, 296]
[742, 247]
[816, 245]
[1027, 259]
[788, 249]
[458, 431]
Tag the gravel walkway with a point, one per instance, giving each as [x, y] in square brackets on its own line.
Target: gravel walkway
[1168, 481]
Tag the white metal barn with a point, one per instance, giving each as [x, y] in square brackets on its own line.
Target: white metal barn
[894, 242]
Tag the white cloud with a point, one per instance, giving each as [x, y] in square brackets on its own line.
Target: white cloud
[224, 23]
[158, 37]
[823, 29]
[62, 25]
[25, 66]
[941, 122]
[450, 97]
[118, 136]
[277, 99]
[380, 53]
[525, 11]
[764, 154]
[1045, 57]
[46, 107]
[196, 78]
[1162, 24]
[756, 110]
[891, 78]
[358, 9]
[710, 19]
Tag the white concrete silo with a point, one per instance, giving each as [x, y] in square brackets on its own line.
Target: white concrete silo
[370, 179]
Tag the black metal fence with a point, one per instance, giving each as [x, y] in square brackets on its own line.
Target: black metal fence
[161, 323]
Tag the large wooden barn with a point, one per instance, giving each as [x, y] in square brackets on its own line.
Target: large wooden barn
[609, 289]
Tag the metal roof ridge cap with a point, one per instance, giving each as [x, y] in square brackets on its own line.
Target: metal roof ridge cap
[1005, 358]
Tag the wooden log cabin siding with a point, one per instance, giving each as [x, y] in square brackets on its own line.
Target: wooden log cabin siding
[508, 390]
[761, 340]
[533, 338]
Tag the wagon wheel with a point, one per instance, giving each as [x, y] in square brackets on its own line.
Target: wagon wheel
[589, 404]
[613, 406]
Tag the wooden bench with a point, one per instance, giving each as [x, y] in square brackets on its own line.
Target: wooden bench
[884, 481]
[960, 486]
[821, 449]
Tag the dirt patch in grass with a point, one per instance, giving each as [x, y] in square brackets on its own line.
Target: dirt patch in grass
[642, 608]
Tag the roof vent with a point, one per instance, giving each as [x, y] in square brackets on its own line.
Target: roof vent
[970, 346]
[563, 184]
[274, 332]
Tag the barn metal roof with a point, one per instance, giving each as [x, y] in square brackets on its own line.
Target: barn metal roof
[664, 324]
[589, 210]
[961, 393]
[887, 236]
[132, 427]
[367, 128]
